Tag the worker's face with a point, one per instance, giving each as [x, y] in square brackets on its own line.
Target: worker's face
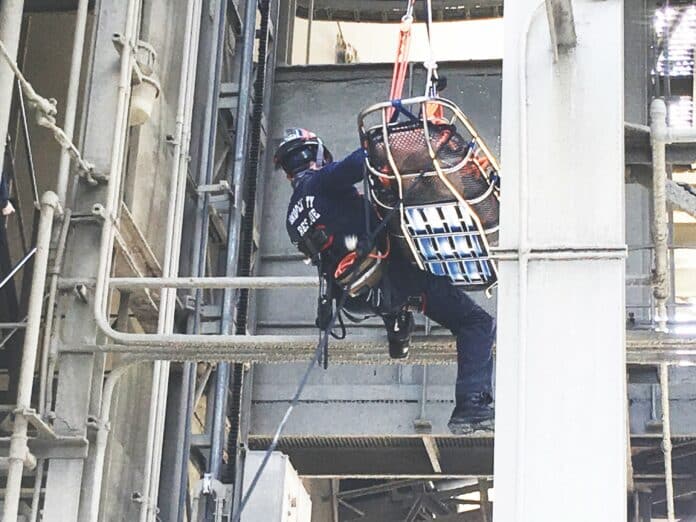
[312, 166]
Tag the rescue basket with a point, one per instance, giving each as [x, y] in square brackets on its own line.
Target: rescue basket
[425, 157]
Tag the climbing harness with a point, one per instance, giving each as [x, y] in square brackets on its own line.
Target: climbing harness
[448, 224]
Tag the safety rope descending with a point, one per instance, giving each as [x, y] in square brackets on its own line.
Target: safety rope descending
[402, 53]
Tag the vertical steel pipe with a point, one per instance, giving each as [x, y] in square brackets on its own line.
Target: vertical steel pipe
[10, 28]
[661, 279]
[667, 441]
[240, 164]
[18, 442]
[103, 429]
[71, 100]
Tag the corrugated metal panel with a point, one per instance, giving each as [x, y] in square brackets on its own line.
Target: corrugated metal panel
[312, 442]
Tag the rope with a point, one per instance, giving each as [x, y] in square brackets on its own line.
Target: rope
[431, 63]
[46, 117]
[402, 52]
[434, 111]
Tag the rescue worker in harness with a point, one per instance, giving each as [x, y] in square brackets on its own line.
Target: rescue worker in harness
[327, 220]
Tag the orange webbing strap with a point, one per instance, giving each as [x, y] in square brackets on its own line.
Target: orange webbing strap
[435, 112]
[402, 52]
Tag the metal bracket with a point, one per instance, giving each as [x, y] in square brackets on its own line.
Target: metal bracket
[37, 422]
[55, 448]
[229, 92]
[59, 448]
[221, 188]
[121, 42]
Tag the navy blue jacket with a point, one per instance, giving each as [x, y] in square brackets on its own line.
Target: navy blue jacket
[327, 198]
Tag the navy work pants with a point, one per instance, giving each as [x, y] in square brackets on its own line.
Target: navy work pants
[449, 306]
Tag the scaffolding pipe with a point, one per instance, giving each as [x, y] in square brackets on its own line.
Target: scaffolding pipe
[10, 28]
[71, 100]
[667, 441]
[18, 443]
[661, 279]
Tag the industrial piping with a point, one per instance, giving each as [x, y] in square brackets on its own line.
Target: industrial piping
[103, 429]
[667, 440]
[171, 257]
[661, 280]
[660, 136]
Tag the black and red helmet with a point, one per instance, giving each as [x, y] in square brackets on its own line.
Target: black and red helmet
[297, 151]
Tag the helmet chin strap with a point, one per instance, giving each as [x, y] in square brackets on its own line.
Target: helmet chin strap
[320, 154]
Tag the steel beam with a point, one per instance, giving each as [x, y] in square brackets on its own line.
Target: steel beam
[10, 26]
[433, 453]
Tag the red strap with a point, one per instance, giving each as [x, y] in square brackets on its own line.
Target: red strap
[401, 62]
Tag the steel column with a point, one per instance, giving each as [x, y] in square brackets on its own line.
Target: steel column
[546, 363]
[233, 227]
[64, 481]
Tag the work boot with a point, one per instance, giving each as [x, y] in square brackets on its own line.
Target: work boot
[400, 326]
[473, 414]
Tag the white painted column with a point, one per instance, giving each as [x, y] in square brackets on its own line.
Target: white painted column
[560, 449]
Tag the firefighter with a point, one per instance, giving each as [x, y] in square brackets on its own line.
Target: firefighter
[327, 220]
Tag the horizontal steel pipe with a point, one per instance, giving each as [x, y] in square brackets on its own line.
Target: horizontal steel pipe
[642, 347]
[563, 253]
[676, 135]
[132, 283]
